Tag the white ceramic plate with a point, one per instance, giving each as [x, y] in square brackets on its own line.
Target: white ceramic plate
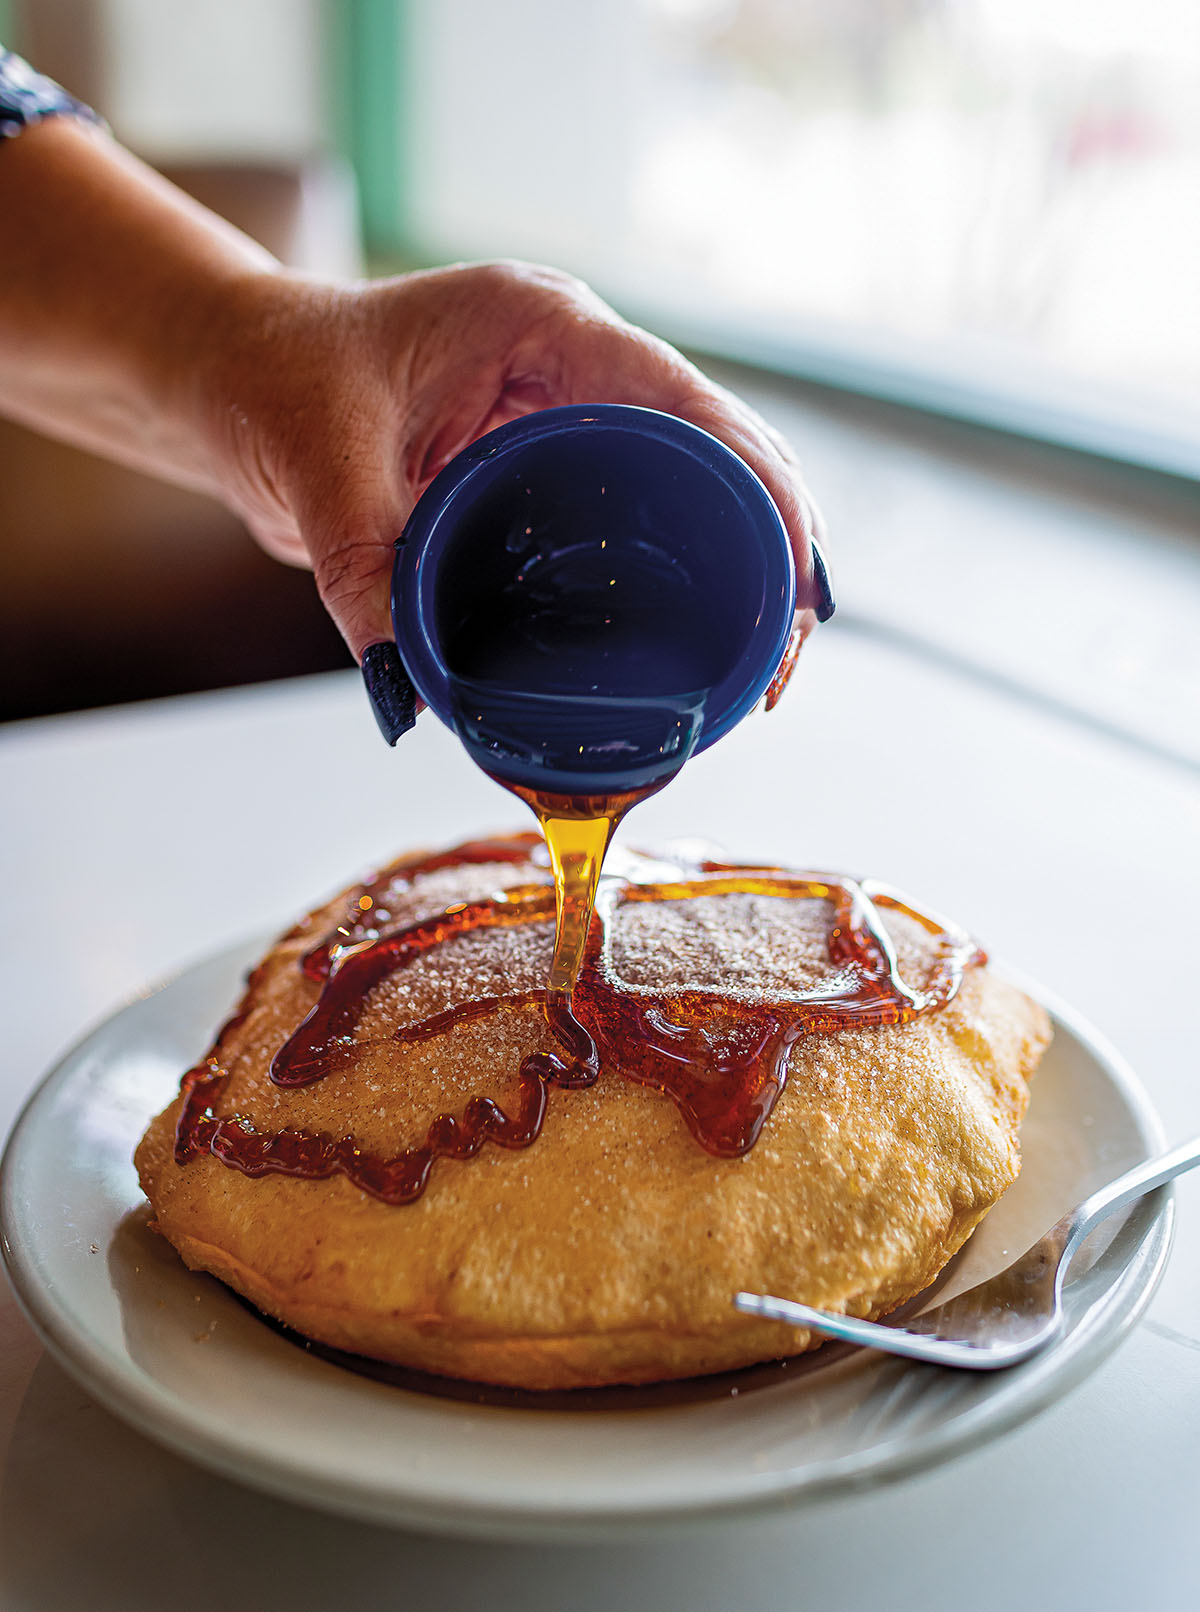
[183, 1360]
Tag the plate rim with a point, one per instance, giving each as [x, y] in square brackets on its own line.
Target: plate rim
[134, 1396]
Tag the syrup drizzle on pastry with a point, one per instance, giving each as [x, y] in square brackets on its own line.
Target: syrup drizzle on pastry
[720, 1058]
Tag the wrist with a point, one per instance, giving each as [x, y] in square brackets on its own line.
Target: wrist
[96, 339]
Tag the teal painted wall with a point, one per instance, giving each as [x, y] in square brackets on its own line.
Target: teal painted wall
[368, 65]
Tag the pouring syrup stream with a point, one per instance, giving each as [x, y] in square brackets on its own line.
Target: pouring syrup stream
[578, 830]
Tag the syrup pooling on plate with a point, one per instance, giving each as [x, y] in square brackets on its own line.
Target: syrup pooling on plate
[720, 1057]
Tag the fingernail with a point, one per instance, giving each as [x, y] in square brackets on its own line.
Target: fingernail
[823, 605]
[393, 698]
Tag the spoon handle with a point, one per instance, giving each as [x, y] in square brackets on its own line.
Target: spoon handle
[1134, 1183]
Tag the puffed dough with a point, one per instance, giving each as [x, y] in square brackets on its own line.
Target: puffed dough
[609, 1250]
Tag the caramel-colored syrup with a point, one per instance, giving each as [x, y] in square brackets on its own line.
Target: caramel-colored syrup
[578, 830]
[721, 1059]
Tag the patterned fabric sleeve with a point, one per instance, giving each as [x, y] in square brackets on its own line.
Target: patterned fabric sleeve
[27, 97]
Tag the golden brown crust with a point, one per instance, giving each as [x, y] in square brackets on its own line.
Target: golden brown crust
[610, 1249]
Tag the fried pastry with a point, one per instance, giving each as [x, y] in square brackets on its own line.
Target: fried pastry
[806, 1086]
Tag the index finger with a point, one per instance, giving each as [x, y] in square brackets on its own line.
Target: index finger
[734, 423]
[609, 361]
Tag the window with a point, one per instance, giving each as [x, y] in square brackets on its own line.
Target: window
[986, 206]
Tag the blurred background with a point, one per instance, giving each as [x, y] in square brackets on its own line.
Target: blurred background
[962, 231]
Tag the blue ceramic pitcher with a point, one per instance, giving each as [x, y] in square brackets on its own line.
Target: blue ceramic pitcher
[589, 595]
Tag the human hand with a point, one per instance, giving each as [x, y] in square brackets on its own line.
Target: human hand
[320, 413]
[330, 409]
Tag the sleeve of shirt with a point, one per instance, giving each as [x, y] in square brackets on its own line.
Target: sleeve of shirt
[27, 97]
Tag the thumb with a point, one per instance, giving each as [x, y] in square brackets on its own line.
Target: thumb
[349, 526]
[353, 569]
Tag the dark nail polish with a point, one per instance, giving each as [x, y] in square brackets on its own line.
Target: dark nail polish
[822, 602]
[392, 696]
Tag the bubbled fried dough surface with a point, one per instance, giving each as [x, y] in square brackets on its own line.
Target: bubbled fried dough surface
[609, 1250]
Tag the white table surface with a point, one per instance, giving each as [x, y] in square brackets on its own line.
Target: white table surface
[137, 840]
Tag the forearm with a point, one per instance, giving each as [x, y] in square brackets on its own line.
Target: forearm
[137, 324]
[113, 288]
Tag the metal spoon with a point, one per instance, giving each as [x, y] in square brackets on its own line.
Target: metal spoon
[1005, 1319]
